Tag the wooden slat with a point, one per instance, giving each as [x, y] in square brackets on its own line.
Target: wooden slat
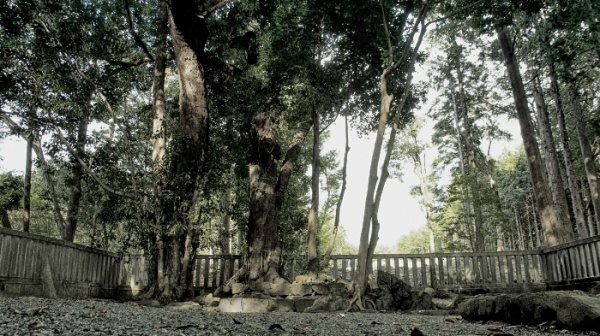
[509, 270]
[397, 267]
[423, 272]
[595, 259]
[441, 274]
[344, 268]
[206, 262]
[432, 272]
[415, 270]
[526, 268]
[484, 269]
[406, 272]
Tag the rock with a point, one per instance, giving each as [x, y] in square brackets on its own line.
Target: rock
[238, 288]
[432, 292]
[259, 286]
[242, 304]
[280, 289]
[186, 305]
[595, 289]
[328, 303]
[573, 309]
[422, 301]
[210, 301]
[302, 278]
[301, 303]
[300, 289]
[320, 289]
[149, 303]
[400, 291]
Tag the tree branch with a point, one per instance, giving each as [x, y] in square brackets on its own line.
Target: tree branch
[135, 35]
[214, 8]
[86, 167]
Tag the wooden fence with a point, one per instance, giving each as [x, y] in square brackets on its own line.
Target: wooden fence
[31, 264]
[494, 271]
[79, 271]
[572, 263]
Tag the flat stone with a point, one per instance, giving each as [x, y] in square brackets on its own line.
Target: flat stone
[238, 288]
[320, 289]
[149, 303]
[247, 305]
[280, 289]
[187, 305]
[299, 289]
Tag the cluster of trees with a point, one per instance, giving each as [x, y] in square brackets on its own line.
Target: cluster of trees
[540, 60]
[176, 126]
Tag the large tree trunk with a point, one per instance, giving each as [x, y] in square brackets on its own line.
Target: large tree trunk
[268, 184]
[27, 185]
[587, 154]
[548, 215]
[174, 253]
[313, 216]
[552, 164]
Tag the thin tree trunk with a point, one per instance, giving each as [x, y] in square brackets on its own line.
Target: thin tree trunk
[77, 173]
[471, 176]
[368, 242]
[158, 139]
[552, 164]
[338, 206]
[549, 217]
[572, 180]
[27, 185]
[587, 154]
[313, 216]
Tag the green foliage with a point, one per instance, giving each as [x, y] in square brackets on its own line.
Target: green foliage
[11, 190]
[417, 241]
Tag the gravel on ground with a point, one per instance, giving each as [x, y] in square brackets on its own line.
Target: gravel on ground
[38, 316]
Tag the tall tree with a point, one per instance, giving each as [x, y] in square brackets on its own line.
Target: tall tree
[555, 231]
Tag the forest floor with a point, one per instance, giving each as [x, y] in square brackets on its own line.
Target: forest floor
[38, 316]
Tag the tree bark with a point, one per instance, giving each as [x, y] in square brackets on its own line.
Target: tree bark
[68, 232]
[27, 185]
[268, 185]
[185, 172]
[552, 165]
[370, 223]
[587, 153]
[313, 216]
[338, 206]
[4, 219]
[563, 134]
[471, 172]
[548, 215]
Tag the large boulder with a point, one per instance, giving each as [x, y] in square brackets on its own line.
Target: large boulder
[573, 309]
[392, 293]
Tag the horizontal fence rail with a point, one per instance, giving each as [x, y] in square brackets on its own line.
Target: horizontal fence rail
[26, 258]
